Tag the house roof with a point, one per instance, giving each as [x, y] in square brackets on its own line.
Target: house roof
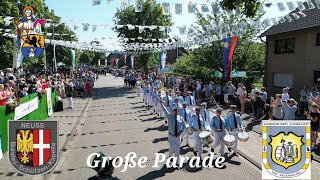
[311, 20]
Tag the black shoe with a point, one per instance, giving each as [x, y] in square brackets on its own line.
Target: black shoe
[194, 153]
[166, 122]
[229, 149]
[187, 145]
[212, 150]
[235, 154]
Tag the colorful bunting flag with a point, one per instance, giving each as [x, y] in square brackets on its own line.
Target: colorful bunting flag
[310, 4]
[139, 5]
[178, 8]
[96, 2]
[215, 8]
[281, 7]
[191, 8]
[291, 6]
[94, 27]
[124, 3]
[204, 8]
[166, 8]
[301, 6]
[86, 26]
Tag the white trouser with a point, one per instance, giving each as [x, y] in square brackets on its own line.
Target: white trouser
[218, 140]
[235, 132]
[70, 102]
[184, 133]
[144, 98]
[198, 145]
[175, 143]
[161, 114]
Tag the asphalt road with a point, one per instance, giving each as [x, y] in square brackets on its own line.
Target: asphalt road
[116, 124]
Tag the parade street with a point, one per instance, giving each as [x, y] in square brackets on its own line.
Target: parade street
[116, 123]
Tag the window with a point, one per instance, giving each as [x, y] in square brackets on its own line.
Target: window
[282, 80]
[318, 39]
[316, 77]
[285, 46]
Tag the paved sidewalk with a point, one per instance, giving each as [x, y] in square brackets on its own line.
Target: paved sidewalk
[66, 119]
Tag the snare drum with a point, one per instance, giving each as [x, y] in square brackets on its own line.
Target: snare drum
[188, 129]
[243, 136]
[205, 137]
[229, 140]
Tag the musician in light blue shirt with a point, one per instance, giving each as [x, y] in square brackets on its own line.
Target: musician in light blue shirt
[186, 115]
[176, 103]
[190, 99]
[181, 99]
[167, 100]
[205, 114]
[218, 126]
[176, 125]
[197, 124]
[234, 124]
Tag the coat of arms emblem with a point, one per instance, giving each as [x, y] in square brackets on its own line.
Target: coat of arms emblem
[286, 150]
[33, 146]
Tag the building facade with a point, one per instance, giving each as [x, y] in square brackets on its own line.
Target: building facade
[293, 54]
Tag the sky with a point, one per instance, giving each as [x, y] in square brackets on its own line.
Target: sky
[82, 11]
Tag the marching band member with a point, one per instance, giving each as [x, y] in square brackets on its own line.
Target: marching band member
[154, 99]
[176, 125]
[158, 106]
[181, 99]
[197, 124]
[167, 100]
[186, 115]
[176, 103]
[190, 99]
[205, 113]
[218, 125]
[234, 124]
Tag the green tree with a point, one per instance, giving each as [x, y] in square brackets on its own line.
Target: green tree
[151, 15]
[248, 55]
[249, 8]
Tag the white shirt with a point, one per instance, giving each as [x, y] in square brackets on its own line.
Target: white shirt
[285, 97]
[253, 92]
[198, 88]
[239, 91]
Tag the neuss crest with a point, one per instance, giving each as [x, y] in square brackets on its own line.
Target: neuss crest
[33, 146]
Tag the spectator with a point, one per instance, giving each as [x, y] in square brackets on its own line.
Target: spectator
[285, 94]
[242, 98]
[290, 108]
[314, 116]
[3, 95]
[258, 105]
[303, 103]
[277, 105]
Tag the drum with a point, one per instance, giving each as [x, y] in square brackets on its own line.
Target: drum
[205, 137]
[243, 136]
[188, 129]
[229, 140]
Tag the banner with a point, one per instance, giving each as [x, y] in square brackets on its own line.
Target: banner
[229, 46]
[1, 153]
[25, 108]
[139, 5]
[163, 60]
[160, 59]
[17, 54]
[49, 101]
[73, 58]
[132, 61]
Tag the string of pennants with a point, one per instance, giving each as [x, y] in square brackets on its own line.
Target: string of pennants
[216, 9]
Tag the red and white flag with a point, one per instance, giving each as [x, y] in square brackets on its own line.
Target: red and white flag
[41, 146]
